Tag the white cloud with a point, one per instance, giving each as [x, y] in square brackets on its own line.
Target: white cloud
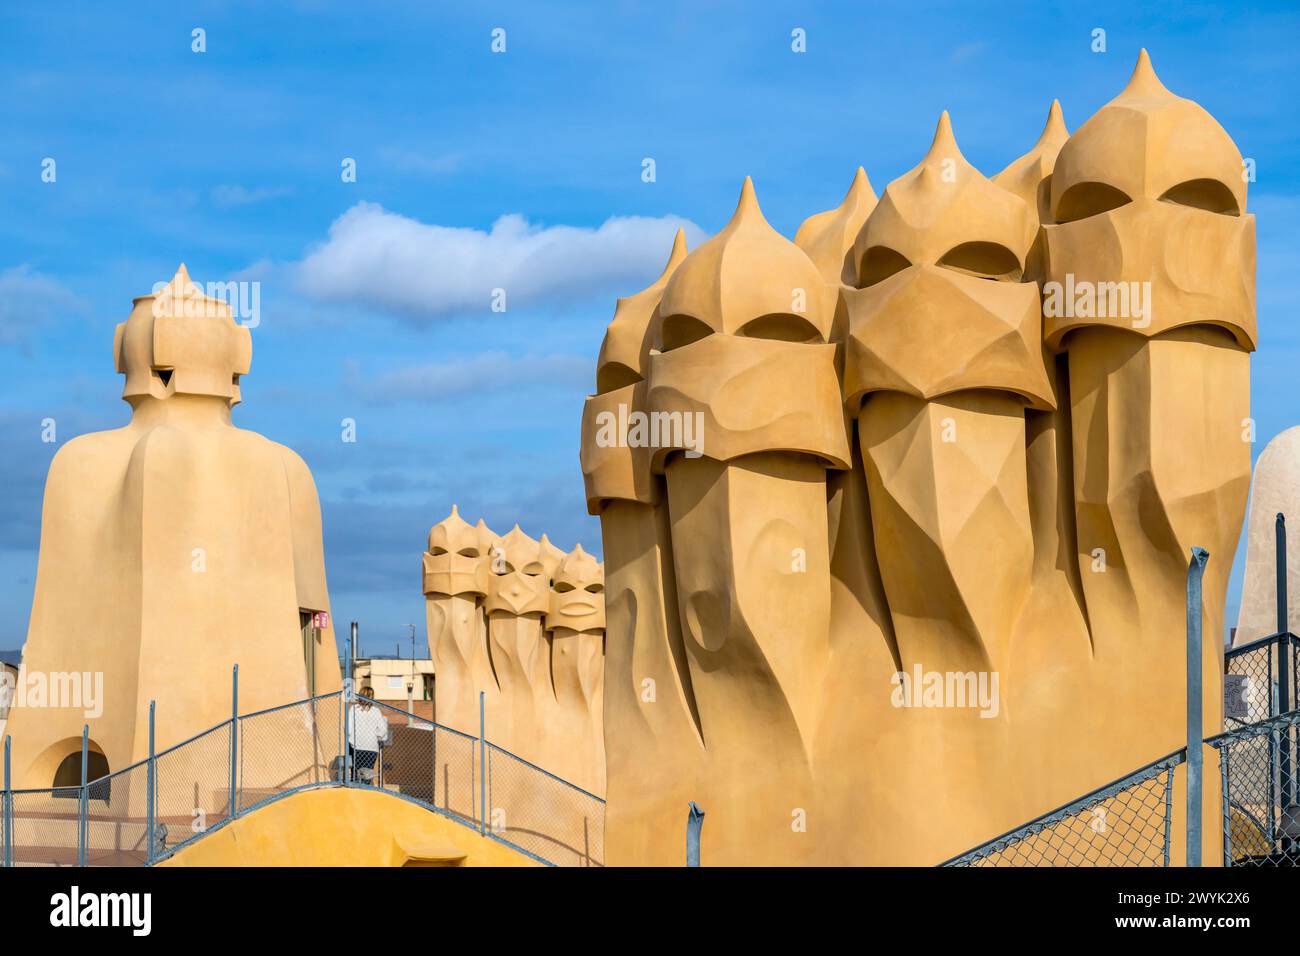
[29, 299]
[485, 372]
[377, 258]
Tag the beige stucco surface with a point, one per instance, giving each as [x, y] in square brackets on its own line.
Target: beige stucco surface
[172, 549]
[913, 461]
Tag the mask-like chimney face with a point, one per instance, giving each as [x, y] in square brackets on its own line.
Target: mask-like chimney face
[945, 213]
[1150, 190]
[455, 562]
[748, 280]
[179, 341]
[578, 596]
[518, 584]
[942, 257]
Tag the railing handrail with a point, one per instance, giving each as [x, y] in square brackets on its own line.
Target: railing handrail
[1259, 728]
[544, 771]
[293, 703]
[236, 721]
[1051, 817]
[1259, 642]
[184, 743]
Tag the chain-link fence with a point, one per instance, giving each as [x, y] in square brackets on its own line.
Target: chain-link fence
[44, 827]
[1261, 816]
[1125, 823]
[1261, 679]
[546, 817]
[117, 818]
[528, 808]
[191, 788]
[289, 748]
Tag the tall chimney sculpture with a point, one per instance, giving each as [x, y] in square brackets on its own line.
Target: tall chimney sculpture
[172, 549]
[920, 576]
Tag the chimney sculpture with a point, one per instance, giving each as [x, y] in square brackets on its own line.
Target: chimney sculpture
[455, 583]
[920, 575]
[576, 621]
[497, 606]
[172, 549]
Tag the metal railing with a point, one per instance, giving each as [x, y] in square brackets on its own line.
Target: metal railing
[1261, 679]
[150, 810]
[1125, 823]
[1261, 818]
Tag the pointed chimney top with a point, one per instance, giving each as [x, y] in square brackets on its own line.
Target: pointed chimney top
[1055, 128]
[747, 208]
[944, 144]
[859, 185]
[677, 255]
[1144, 80]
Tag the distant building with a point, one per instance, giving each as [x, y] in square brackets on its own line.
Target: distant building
[9, 661]
[398, 681]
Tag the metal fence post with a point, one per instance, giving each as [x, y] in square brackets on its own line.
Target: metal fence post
[1283, 624]
[1226, 803]
[694, 823]
[1169, 813]
[151, 778]
[348, 690]
[9, 811]
[1195, 754]
[482, 770]
[1284, 701]
[85, 802]
[234, 733]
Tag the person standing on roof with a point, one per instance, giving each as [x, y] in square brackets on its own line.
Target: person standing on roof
[367, 733]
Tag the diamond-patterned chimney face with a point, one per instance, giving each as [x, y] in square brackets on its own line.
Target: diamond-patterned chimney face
[520, 621]
[924, 547]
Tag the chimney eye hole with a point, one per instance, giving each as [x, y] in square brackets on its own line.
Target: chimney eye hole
[1208, 194]
[983, 260]
[878, 264]
[1084, 200]
[681, 330]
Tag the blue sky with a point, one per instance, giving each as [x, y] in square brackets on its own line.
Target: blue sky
[229, 160]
